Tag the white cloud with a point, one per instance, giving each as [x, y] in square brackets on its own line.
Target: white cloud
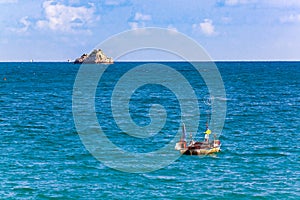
[172, 28]
[25, 24]
[141, 17]
[290, 18]
[139, 20]
[206, 27]
[133, 25]
[59, 17]
[8, 1]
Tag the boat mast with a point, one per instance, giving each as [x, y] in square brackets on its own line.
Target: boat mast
[183, 133]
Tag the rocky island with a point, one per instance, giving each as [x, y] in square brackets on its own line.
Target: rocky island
[97, 56]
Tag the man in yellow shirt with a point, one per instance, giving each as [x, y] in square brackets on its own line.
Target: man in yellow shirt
[207, 133]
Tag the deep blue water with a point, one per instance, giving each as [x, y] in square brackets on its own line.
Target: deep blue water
[42, 156]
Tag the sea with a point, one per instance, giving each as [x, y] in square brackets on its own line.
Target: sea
[43, 153]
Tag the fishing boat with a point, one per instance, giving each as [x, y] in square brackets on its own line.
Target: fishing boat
[198, 147]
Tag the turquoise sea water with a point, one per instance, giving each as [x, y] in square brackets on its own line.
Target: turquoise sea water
[42, 156]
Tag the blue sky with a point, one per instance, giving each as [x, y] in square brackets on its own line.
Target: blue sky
[227, 29]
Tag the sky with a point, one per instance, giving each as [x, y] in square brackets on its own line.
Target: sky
[57, 30]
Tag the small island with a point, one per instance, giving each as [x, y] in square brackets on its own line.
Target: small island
[97, 56]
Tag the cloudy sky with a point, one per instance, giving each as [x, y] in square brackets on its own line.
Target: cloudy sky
[227, 29]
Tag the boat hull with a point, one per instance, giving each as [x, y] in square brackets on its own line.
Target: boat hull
[200, 151]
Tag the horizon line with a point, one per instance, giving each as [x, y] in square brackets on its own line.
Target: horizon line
[229, 60]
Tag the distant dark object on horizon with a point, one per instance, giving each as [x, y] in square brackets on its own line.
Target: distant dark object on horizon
[97, 56]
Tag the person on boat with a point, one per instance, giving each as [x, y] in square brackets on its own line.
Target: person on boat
[207, 133]
[192, 142]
